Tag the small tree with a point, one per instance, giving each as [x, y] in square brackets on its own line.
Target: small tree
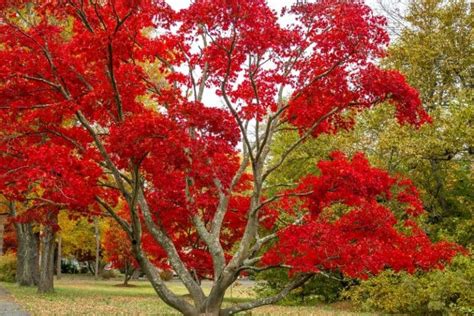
[118, 251]
[192, 175]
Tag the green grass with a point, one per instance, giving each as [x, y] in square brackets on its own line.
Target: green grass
[85, 296]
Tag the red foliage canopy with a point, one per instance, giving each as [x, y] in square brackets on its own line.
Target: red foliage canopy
[84, 123]
[363, 238]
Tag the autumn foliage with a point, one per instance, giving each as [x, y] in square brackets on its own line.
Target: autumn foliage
[84, 126]
[361, 238]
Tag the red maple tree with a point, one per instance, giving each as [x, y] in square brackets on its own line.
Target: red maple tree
[118, 251]
[85, 125]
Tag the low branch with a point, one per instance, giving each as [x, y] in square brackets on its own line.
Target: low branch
[295, 283]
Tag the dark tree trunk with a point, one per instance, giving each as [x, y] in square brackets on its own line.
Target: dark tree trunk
[27, 270]
[3, 219]
[438, 191]
[48, 244]
[59, 259]
[97, 248]
[127, 278]
[90, 267]
[129, 270]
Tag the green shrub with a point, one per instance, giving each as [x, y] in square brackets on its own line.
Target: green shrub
[448, 291]
[8, 267]
[319, 289]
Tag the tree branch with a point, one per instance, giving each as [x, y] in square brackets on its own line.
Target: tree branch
[113, 82]
[117, 218]
[103, 152]
[162, 238]
[295, 283]
[298, 142]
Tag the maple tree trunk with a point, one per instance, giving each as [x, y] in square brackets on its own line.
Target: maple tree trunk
[97, 248]
[27, 269]
[158, 285]
[2, 231]
[3, 219]
[129, 271]
[46, 275]
[59, 258]
[90, 267]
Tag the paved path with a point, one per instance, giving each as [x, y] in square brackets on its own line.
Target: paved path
[8, 306]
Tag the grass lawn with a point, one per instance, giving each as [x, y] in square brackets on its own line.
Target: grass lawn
[79, 295]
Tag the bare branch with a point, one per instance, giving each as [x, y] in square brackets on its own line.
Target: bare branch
[295, 283]
[43, 80]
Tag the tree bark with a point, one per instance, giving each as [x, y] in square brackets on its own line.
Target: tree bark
[97, 248]
[27, 270]
[160, 288]
[46, 275]
[59, 258]
[3, 219]
[136, 274]
[129, 270]
[296, 282]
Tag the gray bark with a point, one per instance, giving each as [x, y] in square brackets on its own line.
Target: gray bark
[129, 271]
[97, 247]
[27, 270]
[59, 258]
[295, 283]
[3, 219]
[158, 285]
[46, 275]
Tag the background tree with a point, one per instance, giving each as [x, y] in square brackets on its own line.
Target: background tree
[25, 244]
[78, 238]
[436, 53]
[118, 251]
[73, 124]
